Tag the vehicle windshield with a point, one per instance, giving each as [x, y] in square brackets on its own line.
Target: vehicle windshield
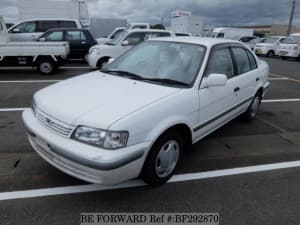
[160, 62]
[271, 40]
[117, 38]
[291, 40]
[115, 33]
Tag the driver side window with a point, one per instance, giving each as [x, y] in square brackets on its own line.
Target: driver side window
[26, 27]
[221, 62]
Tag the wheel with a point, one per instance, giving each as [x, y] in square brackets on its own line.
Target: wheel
[102, 62]
[270, 54]
[46, 66]
[162, 159]
[253, 109]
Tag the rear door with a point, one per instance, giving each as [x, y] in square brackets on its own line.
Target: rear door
[78, 43]
[247, 74]
[218, 105]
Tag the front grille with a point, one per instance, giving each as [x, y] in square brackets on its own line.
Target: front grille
[53, 124]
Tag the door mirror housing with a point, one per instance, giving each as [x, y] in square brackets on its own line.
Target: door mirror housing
[110, 60]
[215, 80]
[125, 43]
[16, 30]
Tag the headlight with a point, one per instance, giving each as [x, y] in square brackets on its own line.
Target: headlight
[294, 48]
[101, 138]
[94, 51]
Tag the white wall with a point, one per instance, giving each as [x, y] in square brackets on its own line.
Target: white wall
[187, 24]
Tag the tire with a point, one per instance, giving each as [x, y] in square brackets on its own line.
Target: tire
[102, 62]
[271, 54]
[167, 148]
[46, 66]
[253, 109]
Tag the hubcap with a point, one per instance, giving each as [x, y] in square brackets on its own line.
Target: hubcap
[46, 67]
[167, 159]
[255, 106]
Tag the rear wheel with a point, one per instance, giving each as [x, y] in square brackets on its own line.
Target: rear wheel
[162, 159]
[46, 66]
[253, 109]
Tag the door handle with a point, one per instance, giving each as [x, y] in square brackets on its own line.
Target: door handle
[237, 89]
[257, 79]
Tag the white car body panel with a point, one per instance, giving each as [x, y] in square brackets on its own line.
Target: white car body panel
[265, 48]
[145, 110]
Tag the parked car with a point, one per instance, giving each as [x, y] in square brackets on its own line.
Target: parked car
[290, 47]
[181, 34]
[118, 30]
[269, 47]
[145, 109]
[46, 57]
[100, 54]
[251, 44]
[30, 30]
[246, 39]
[79, 40]
[231, 33]
[112, 35]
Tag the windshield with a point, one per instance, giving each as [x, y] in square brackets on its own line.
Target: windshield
[160, 61]
[115, 33]
[291, 40]
[117, 38]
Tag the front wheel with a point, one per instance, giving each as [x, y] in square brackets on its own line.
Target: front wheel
[253, 109]
[46, 67]
[162, 159]
[270, 54]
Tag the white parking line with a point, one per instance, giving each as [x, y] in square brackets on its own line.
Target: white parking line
[137, 183]
[281, 100]
[29, 81]
[13, 109]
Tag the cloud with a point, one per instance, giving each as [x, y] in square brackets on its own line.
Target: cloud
[215, 12]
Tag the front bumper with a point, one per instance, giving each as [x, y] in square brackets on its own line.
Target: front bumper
[88, 163]
[92, 59]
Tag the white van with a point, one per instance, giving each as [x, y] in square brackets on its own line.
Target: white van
[231, 33]
[100, 54]
[30, 30]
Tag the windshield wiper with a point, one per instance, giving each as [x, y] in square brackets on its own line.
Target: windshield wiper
[123, 73]
[167, 81]
[138, 77]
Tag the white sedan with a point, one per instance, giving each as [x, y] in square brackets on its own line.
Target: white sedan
[138, 115]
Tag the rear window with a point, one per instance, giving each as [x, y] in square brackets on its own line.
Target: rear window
[242, 60]
[75, 36]
[43, 26]
[252, 61]
[67, 24]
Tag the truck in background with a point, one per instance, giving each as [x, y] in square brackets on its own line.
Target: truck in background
[54, 9]
[45, 56]
[231, 33]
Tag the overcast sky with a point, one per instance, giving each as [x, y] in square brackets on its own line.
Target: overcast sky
[215, 12]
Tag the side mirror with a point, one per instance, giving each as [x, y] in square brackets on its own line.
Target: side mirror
[125, 43]
[110, 60]
[16, 30]
[214, 80]
[42, 39]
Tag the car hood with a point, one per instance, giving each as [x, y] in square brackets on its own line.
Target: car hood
[264, 44]
[97, 99]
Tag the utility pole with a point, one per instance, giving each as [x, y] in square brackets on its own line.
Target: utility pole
[291, 18]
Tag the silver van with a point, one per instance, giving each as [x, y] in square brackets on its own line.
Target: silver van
[30, 30]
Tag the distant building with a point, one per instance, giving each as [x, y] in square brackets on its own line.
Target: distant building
[184, 21]
[271, 30]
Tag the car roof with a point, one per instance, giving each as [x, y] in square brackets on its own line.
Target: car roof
[149, 30]
[67, 29]
[208, 42]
